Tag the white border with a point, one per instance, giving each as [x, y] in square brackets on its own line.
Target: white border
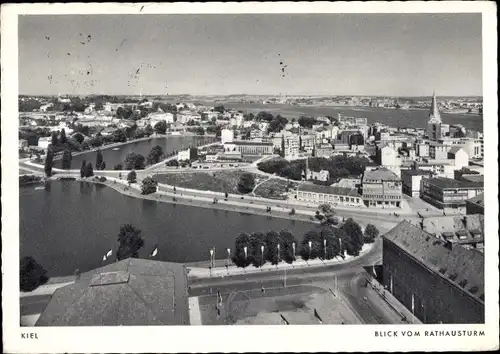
[237, 338]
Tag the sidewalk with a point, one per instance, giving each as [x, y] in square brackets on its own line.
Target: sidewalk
[232, 270]
[393, 302]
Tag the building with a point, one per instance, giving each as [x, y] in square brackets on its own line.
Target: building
[132, 292]
[226, 136]
[423, 150]
[248, 147]
[411, 181]
[438, 283]
[464, 230]
[318, 194]
[438, 168]
[475, 205]
[323, 175]
[292, 144]
[381, 188]
[438, 151]
[44, 142]
[434, 123]
[189, 154]
[449, 194]
[387, 156]
[323, 151]
[459, 156]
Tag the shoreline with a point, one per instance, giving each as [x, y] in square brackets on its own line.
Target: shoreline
[196, 203]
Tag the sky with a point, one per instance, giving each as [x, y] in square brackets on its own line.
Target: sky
[278, 54]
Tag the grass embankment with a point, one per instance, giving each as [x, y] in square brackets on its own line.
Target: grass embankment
[274, 188]
[223, 181]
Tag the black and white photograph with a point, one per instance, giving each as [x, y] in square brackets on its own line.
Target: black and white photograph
[215, 169]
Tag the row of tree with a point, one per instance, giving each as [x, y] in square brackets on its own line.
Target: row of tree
[338, 166]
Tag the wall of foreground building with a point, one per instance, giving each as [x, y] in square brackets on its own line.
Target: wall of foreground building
[436, 300]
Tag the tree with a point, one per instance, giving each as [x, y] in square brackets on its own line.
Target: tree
[149, 185]
[134, 161]
[89, 170]
[132, 177]
[282, 152]
[66, 159]
[54, 139]
[272, 242]
[161, 127]
[257, 240]
[31, 274]
[246, 183]
[353, 237]
[119, 136]
[148, 130]
[314, 250]
[239, 258]
[371, 233]
[278, 123]
[287, 240]
[82, 169]
[49, 160]
[62, 139]
[155, 155]
[129, 242]
[98, 160]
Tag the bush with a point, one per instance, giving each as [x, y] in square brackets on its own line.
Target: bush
[32, 274]
[102, 179]
[149, 186]
[132, 177]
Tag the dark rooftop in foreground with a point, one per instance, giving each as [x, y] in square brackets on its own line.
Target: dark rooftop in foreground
[380, 174]
[478, 199]
[129, 292]
[458, 266]
[250, 142]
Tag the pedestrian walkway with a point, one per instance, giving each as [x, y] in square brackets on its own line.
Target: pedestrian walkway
[194, 311]
[232, 270]
[393, 302]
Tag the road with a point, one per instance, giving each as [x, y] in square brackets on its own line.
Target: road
[363, 301]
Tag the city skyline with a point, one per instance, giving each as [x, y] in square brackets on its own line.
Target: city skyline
[202, 55]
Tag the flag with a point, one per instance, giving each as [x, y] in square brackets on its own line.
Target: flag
[284, 319]
[155, 252]
[412, 303]
[219, 296]
[104, 258]
[374, 272]
[245, 249]
[391, 284]
[316, 314]
[110, 252]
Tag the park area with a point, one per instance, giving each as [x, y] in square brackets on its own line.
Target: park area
[223, 181]
[274, 188]
[301, 304]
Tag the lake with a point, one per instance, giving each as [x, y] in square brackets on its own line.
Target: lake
[73, 224]
[416, 118]
[113, 157]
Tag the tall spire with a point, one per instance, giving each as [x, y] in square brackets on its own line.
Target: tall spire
[434, 115]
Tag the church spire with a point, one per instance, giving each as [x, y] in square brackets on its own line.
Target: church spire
[434, 112]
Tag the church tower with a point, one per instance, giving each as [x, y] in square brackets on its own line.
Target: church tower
[434, 123]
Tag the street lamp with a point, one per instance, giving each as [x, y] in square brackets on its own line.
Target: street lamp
[278, 247]
[262, 259]
[310, 244]
[324, 246]
[211, 260]
[228, 259]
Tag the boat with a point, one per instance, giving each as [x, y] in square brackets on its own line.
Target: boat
[39, 188]
[114, 149]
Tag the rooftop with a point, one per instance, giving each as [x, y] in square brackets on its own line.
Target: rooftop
[478, 199]
[380, 174]
[462, 229]
[416, 172]
[445, 183]
[129, 292]
[455, 149]
[316, 188]
[474, 178]
[462, 267]
[248, 142]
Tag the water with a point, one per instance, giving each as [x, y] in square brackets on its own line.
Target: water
[73, 224]
[113, 157]
[415, 118]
